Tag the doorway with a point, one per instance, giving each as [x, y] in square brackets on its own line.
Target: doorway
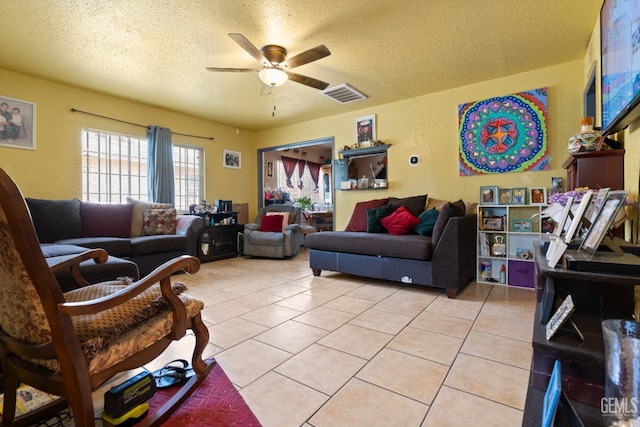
[312, 158]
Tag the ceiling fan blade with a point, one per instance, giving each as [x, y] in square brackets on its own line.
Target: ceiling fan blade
[266, 90]
[233, 70]
[250, 48]
[308, 81]
[307, 56]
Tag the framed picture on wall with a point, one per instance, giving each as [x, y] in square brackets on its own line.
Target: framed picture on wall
[232, 159]
[365, 129]
[17, 123]
[269, 169]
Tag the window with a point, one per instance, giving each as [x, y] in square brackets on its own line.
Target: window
[296, 192]
[115, 166]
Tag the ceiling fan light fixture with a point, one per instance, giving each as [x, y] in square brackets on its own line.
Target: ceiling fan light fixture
[273, 77]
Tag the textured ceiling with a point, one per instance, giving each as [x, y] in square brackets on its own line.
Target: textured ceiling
[156, 51]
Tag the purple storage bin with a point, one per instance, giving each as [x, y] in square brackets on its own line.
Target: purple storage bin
[521, 274]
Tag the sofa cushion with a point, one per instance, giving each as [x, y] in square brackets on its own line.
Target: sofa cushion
[105, 220]
[50, 250]
[414, 204]
[427, 221]
[137, 214]
[159, 221]
[358, 221]
[409, 246]
[400, 221]
[278, 209]
[271, 223]
[55, 219]
[374, 215]
[145, 245]
[116, 246]
[448, 211]
[285, 218]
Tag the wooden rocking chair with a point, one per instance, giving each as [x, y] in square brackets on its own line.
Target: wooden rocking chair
[67, 344]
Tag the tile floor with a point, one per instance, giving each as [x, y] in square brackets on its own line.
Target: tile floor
[338, 350]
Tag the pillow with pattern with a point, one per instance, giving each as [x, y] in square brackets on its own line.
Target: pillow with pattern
[159, 221]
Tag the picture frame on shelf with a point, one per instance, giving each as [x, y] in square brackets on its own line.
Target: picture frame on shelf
[559, 317]
[504, 196]
[522, 225]
[538, 196]
[493, 223]
[547, 225]
[577, 216]
[552, 396]
[489, 195]
[518, 196]
[599, 228]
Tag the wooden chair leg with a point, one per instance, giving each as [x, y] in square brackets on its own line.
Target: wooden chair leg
[9, 406]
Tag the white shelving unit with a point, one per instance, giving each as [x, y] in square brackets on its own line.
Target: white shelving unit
[515, 227]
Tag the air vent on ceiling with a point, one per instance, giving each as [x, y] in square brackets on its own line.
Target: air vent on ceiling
[344, 94]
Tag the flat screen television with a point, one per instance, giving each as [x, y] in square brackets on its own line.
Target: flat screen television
[620, 63]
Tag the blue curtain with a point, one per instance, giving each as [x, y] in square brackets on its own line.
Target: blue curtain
[160, 184]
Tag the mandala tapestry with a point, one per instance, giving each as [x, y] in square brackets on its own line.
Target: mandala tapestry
[504, 134]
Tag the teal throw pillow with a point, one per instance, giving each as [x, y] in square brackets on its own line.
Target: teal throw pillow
[427, 221]
[374, 215]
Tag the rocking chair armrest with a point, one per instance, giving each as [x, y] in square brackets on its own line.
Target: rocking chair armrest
[99, 256]
[162, 274]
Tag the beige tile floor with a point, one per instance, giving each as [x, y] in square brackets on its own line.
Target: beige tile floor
[338, 350]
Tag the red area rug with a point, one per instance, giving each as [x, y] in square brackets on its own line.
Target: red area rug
[215, 403]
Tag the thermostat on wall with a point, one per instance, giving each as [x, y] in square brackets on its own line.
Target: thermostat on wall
[414, 159]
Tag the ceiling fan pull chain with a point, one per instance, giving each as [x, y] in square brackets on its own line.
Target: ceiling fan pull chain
[273, 95]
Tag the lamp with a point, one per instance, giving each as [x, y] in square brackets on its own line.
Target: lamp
[273, 77]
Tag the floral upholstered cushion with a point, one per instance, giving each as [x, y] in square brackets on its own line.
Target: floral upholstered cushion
[159, 221]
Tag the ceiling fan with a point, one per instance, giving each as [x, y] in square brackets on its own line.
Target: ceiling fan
[276, 66]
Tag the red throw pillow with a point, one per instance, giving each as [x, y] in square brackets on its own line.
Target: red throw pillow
[400, 221]
[358, 221]
[271, 223]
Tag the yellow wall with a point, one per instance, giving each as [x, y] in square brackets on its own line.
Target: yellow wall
[53, 170]
[425, 125]
[428, 126]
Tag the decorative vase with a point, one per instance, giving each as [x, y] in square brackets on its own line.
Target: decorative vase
[622, 371]
[586, 140]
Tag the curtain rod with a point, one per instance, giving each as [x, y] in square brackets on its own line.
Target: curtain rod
[73, 110]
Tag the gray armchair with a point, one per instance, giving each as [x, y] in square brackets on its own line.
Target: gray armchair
[271, 244]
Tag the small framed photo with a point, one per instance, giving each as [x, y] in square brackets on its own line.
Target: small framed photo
[489, 195]
[552, 396]
[559, 317]
[232, 159]
[603, 221]
[522, 225]
[495, 223]
[365, 129]
[518, 196]
[504, 196]
[548, 225]
[538, 196]
[269, 169]
[17, 123]
[556, 185]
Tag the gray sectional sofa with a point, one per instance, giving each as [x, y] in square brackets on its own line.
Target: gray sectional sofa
[69, 227]
[444, 258]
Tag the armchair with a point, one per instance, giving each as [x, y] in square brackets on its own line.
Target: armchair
[271, 244]
[68, 344]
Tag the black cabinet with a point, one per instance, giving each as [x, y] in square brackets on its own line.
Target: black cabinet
[596, 297]
[218, 242]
